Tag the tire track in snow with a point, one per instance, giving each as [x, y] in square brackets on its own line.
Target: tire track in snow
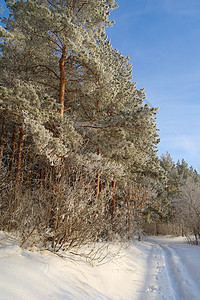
[184, 287]
[157, 284]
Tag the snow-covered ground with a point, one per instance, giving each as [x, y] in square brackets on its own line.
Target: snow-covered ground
[155, 268]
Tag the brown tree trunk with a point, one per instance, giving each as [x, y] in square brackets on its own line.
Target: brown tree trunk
[19, 153]
[98, 179]
[130, 229]
[13, 146]
[62, 80]
[2, 134]
[98, 185]
[113, 197]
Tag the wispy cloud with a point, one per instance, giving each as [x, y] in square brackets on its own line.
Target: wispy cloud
[182, 145]
[188, 144]
[186, 8]
[189, 13]
[183, 7]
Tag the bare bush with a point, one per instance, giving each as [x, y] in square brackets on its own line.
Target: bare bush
[189, 208]
[163, 228]
[57, 207]
[65, 205]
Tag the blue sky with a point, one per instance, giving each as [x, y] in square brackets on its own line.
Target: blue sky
[162, 39]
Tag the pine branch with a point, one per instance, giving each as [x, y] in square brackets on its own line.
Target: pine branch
[73, 5]
[80, 9]
[53, 130]
[45, 84]
[46, 67]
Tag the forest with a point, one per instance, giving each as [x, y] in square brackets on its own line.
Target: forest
[78, 143]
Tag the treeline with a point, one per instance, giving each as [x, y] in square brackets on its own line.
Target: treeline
[179, 197]
[78, 146]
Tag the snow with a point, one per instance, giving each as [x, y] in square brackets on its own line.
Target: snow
[155, 268]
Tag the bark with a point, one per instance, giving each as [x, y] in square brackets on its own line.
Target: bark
[98, 185]
[2, 134]
[113, 201]
[62, 80]
[13, 146]
[19, 153]
[98, 179]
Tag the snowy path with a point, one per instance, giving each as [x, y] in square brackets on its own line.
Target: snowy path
[157, 268]
[180, 263]
[182, 281]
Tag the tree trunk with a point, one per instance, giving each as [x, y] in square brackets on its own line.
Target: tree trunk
[114, 196]
[62, 80]
[19, 155]
[13, 146]
[98, 179]
[98, 184]
[2, 134]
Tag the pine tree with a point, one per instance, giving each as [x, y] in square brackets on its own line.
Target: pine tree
[55, 43]
[63, 47]
[70, 96]
[170, 189]
[183, 169]
[54, 37]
